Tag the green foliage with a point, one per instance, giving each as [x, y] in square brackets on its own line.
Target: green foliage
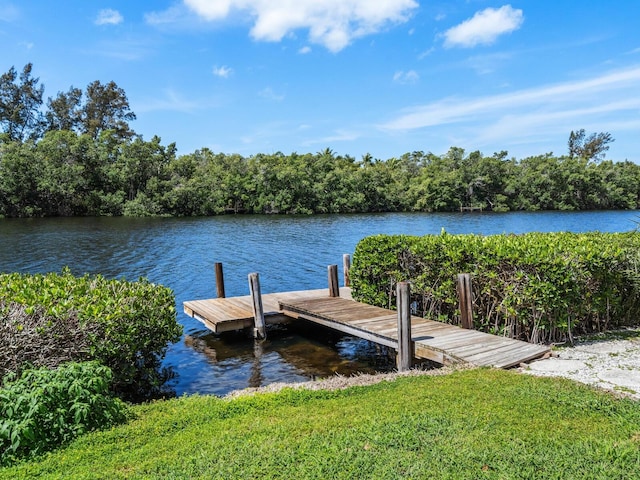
[471, 424]
[141, 206]
[45, 409]
[537, 287]
[80, 157]
[135, 320]
[66, 174]
[20, 101]
[592, 147]
[106, 108]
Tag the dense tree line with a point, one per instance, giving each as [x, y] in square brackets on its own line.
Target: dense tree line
[79, 156]
[66, 173]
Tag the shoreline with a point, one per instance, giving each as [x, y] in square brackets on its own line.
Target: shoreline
[610, 362]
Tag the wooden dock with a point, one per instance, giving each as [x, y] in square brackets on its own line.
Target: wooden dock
[227, 314]
[436, 341]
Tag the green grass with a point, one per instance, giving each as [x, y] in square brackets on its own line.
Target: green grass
[471, 424]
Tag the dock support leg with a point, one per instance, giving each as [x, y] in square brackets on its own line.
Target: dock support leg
[260, 330]
[219, 280]
[465, 300]
[405, 345]
[346, 266]
[255, 380]
[334, 286]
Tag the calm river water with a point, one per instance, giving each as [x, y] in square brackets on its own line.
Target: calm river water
[289, 252]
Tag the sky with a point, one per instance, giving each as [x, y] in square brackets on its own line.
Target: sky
[383, 77]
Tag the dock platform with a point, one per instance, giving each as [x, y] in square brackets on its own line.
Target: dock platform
[431, 340]
[227, 314]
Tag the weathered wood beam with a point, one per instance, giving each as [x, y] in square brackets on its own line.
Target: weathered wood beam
[465, 300]
[405, 345]
[260, 330]
[334, 286]
[219, 280]
[346, 267]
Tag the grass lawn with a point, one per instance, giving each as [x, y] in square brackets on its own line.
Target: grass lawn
[471, 424]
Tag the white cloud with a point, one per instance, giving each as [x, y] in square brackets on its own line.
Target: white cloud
[331, 23]
[304, 50]
[9, 13]
[108, 16]
[267, 135]
[426, 53]
[170, 100]
[212, 10]
[404, 78]
[337, 136]
[610, 97]
[484, 64]
[175, 18]
[169, 16]
[544, 124]
[485, 27]
[128, 49]
[269, 94]
[222, 72]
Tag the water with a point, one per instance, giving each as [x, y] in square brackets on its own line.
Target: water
[290, 253]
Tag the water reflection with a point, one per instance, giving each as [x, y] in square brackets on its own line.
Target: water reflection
[298, 352]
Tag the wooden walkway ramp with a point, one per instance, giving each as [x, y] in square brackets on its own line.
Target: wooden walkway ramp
[436, 341]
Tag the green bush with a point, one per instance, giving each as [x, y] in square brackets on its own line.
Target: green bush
[44, 409]
[131, 323]
[35, 340]
[540, 287]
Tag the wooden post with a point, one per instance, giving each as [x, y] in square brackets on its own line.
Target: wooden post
[346, 266]
[219, 280]
[405, 350]
[260, 330]
[334, 286]
[255, 380]
[465, 300]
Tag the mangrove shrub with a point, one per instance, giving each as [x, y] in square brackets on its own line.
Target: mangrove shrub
[127, 326]
[538, 287]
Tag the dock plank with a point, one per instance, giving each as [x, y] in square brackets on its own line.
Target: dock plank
[433, 340]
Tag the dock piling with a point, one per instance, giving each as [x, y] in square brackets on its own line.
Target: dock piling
[405, 345]
[465, 300]
[260, 330]
[346, 266]
[334, 286]
[219, 280]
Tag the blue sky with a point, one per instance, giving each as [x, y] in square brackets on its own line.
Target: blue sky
[383, 77]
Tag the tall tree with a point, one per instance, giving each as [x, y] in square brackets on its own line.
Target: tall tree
[592, 147]
[106, 108]
[20, 101]
[65, 111]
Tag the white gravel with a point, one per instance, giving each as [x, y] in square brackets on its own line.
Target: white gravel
[612, 364]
